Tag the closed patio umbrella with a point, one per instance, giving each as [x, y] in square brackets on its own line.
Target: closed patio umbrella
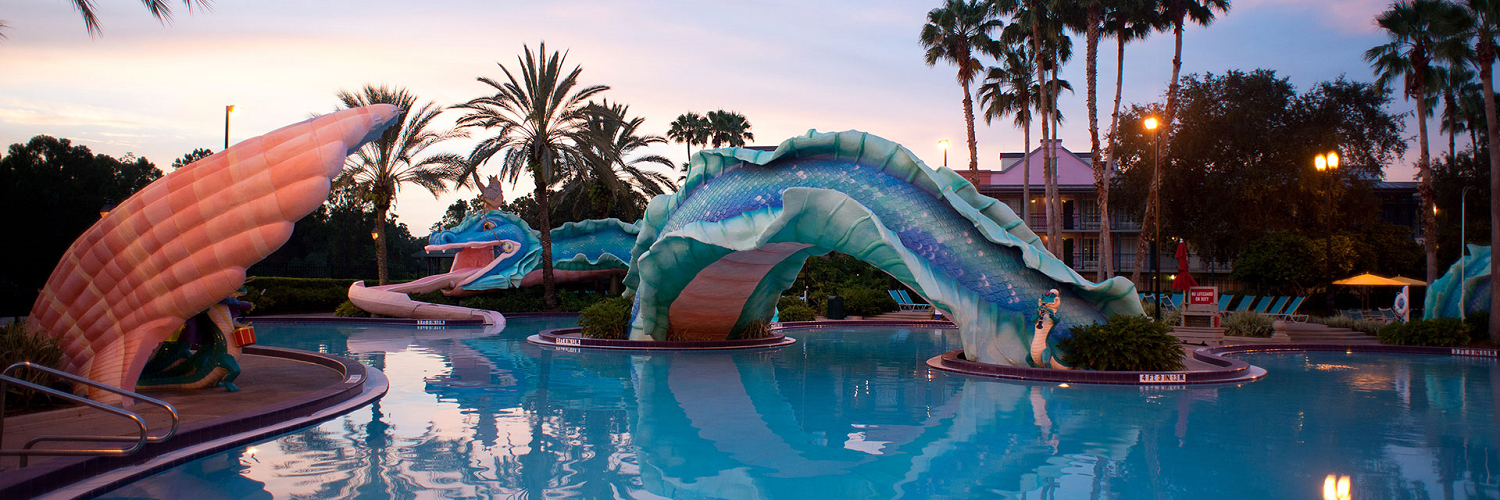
[1183, 281]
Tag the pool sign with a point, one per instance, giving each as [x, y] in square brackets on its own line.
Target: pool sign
[1203, 298]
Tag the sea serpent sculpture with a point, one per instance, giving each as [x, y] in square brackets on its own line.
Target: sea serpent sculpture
[713, 258]
[499, 250]
[183, 242]
[1467, 279]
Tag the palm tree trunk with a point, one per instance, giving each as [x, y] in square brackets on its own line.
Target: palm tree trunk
[1424, 169]
[973, 145]
[1055, 223]
[1486, 53]
[544, 219]
[1092, 56]
[1041, 79]
[380, 252]
[1106, 240]
[1026, 175]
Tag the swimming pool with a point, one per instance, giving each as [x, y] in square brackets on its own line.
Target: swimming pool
[852, 413]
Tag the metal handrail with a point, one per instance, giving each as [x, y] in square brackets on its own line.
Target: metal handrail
[142, 438]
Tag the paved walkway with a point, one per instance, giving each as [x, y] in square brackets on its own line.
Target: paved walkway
[263, 381]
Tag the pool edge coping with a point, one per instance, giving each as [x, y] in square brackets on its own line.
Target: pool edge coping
[60, 478]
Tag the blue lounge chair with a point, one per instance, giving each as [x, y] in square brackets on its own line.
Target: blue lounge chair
[1225, 301]
[905, 303]
[1290, 314]
[1264, 304]
[1277, 306]
[1246, 303]
[1176, 301]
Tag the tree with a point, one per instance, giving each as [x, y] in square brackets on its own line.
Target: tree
[690, 129]
[1479, 22]
[378, 169]
[1413, 34]
[535, 120]
[458, 211]
[158, 8]
[1456, 81]
[611, 184]
[1011, 89]
[1126, 20]
[728, 128]
[51, 191]
[953, 33]
[192, 156]
[1177, 12]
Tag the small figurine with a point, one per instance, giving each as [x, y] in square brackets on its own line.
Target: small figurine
[1042, 356]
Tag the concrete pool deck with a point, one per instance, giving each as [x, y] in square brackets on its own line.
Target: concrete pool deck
[281, 390]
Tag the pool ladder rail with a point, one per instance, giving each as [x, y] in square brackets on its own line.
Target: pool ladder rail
[140, 440]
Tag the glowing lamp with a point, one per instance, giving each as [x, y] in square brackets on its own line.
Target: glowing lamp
[109, 205]
[375, 233]
[1151, 123]
[943, 144]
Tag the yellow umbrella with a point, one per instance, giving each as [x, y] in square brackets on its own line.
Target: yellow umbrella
[1410, 281]
[1368, 279]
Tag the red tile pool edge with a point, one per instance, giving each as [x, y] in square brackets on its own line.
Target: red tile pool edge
[84, 477]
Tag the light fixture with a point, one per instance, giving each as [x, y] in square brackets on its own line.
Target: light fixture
[1151, 123]
[109, 205]
[375, 233]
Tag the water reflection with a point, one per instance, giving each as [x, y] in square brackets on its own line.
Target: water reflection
[857, 414]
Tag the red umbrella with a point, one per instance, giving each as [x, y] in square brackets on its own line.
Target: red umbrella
[1183, 281]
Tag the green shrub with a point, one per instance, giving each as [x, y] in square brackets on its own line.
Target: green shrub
[1169, 317]
[272, 295]
[797, 312]
[785, 302]
[859, 301]
[1368, 326]
[17, 344]
[349, 310]
[1124, 342]
[606, 319]
[757, 329]
[1479, 323]
[1439, 332]
[1248, 324]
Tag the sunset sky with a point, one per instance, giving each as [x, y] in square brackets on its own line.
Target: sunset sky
[159, 91]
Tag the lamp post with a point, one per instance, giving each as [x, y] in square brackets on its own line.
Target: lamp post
[1463, 248]
[1328, 163]
[1151, 125]
[228, 110]
[944, 144]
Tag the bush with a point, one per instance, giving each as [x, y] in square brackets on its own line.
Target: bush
[1479, 323]
[756, 329]
[1439, 332]
[859, 301]
[1368, 326]
[18, 344]
[1124, 342]
[785, 302]
[273, 295]
[349, 310]
[797, 312]
[1248, 324]
[606, 319]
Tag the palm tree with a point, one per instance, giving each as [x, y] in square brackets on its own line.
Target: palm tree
[728, 128]
[611, 184]
[1411, 28]
[953, 33]
[536, 119]
[1011, 89]
[1126, 20]
[158, 8]
[1455, 80]
[1176, 12]
[378, 169]
[1480, 24]
[1092, 19]
[689, 128]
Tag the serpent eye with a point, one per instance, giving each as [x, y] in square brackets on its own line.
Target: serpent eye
[489, 225]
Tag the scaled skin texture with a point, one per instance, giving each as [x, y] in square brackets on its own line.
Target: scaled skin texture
[183, 243]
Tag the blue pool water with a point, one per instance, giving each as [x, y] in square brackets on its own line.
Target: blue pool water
[852, 413]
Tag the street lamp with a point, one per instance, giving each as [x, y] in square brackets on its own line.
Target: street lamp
[228, 110]
[1463, 248]
[1151, 125]
[109, 206]
[1328, 163]
[944, 144]
[375, 232]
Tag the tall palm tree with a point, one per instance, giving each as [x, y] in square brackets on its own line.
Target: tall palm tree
[1126, 21]
[158, 8]
[1455, 79]
[378, 169]
[1482, 27]
[611, 179]
[1413, 34]
[535, 118]
[1177, 12]
[691, 129]
[1092, 26]
[728, 128]
[953, 33]
[1011, 89]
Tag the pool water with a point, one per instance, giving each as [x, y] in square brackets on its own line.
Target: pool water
[852, 413]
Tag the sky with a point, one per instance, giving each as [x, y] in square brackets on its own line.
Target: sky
[159, 91]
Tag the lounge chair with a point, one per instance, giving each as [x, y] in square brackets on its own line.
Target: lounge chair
[905, 303]
[1276, 307]
[1224, 302]
[1290, 314]
[1264, 304]
[1176, 301]
[1246, 303]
